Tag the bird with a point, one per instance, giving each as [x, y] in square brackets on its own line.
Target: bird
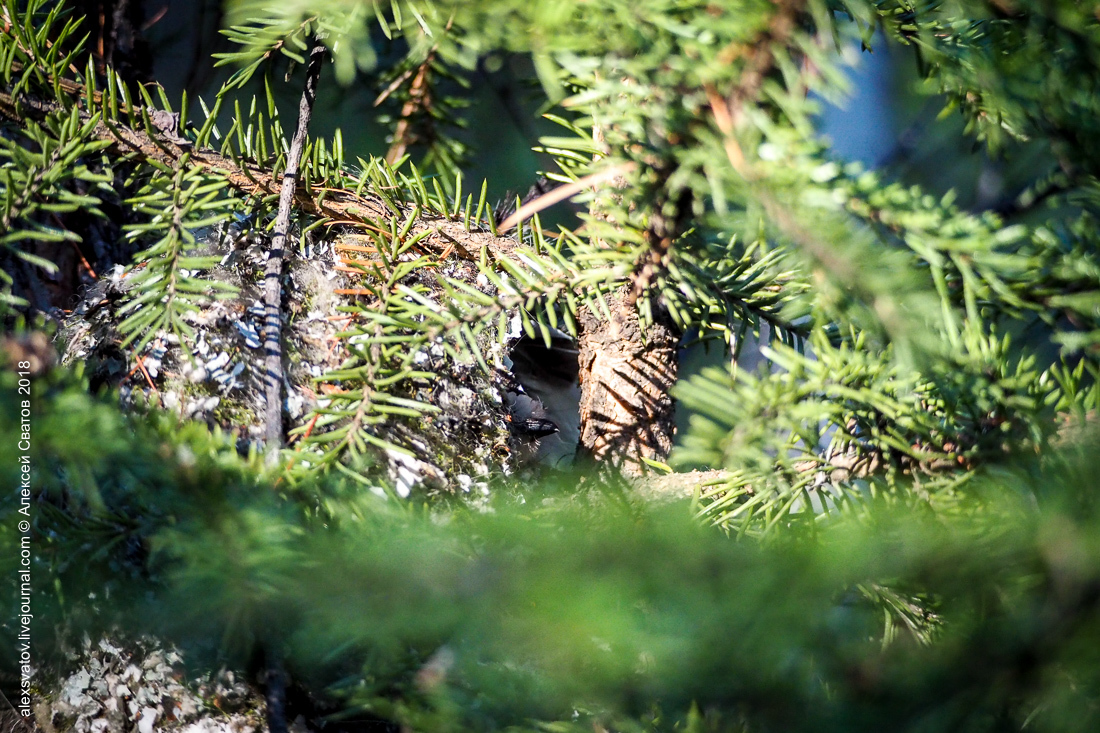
[544, 399]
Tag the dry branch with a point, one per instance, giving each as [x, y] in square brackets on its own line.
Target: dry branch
[273, 270]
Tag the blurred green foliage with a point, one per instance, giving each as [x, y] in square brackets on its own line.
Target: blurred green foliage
[587, 609]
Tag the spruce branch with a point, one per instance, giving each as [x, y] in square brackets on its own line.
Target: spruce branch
[419, 101]
[761, 56]
[427, 116]
[273, 271]
[349, 204]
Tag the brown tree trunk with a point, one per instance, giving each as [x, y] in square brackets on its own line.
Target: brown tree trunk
[625, 378]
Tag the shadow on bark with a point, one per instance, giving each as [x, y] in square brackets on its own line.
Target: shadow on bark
[626, 377]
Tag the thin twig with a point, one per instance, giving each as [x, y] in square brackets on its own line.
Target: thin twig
[273, 271]
[145, 373]
[563, 192]
[420, 97]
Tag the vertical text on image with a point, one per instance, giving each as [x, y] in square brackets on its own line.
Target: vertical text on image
[23, 445]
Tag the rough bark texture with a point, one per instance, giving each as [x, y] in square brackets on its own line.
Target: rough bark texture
[625, 377]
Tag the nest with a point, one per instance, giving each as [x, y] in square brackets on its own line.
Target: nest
[215, 373]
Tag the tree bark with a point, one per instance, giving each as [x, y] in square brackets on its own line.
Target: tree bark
[625, 378]
[273, 272]
[625, 375]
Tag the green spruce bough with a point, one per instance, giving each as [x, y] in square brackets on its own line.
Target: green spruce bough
[931, 368]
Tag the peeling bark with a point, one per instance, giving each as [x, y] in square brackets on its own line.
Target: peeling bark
[626, 377]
